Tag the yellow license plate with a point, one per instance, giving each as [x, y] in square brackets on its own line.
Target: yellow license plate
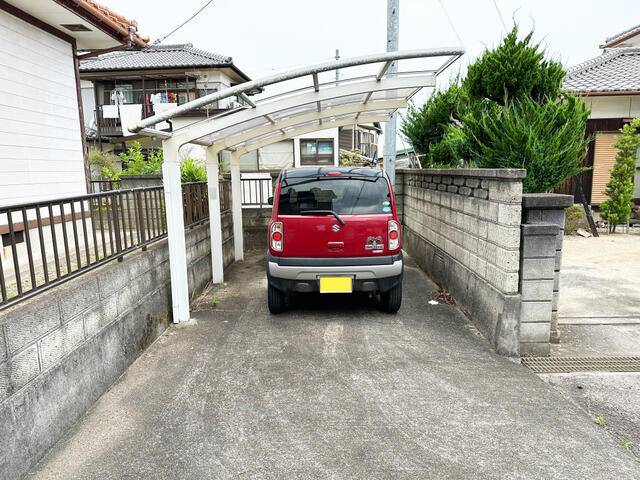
[336, 285]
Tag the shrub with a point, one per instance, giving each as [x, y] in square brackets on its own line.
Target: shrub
[508, 112]
[547, 139]
[574, 219]
[425, 127]
[353, 158]
[192, 171]
[618, 207]
[107, 164]
[135, 162]
[514, 70]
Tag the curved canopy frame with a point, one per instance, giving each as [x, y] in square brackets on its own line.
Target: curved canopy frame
[318, 106]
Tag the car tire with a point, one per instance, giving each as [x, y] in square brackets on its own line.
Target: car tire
[391, 300]
[277, 300]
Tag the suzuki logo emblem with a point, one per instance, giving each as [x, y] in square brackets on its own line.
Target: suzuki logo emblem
[335, 228]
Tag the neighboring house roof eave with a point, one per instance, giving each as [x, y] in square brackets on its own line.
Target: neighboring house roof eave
[112, 23]
[616, 71]
[621, 37]
[160, 57]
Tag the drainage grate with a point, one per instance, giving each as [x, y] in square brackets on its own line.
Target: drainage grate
[582, 364]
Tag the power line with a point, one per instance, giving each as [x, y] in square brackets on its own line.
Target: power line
[451, 23]
[500, 15]
[183, 23]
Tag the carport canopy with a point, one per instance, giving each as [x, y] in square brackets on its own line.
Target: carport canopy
[345, 100]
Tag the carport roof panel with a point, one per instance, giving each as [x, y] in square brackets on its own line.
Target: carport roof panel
[315, 104]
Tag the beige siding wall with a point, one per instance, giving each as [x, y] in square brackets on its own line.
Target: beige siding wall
[603, 160]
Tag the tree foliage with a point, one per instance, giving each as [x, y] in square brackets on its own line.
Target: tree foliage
[514, 70]
[136, 163]
[547, 139]
[192, 171]
[618, 207]
[508, 112]
[426, 127]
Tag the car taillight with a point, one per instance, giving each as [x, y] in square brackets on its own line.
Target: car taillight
[277, 236]
[393, 234]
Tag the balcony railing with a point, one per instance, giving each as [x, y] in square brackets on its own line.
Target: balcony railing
[113, 127]
[46, 243]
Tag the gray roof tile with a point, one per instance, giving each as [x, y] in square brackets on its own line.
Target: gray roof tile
[616, 70]
[155, 56]
[618, 37]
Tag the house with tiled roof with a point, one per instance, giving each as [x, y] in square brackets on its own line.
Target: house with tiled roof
[610, 85]
[43, 154]
[140, 82]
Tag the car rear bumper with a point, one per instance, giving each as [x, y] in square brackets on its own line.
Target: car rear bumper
[302, 274]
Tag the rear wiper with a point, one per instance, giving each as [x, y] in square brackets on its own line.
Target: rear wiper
[322, 212]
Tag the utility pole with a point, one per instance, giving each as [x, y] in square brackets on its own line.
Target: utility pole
[393, 27]
[337, 57]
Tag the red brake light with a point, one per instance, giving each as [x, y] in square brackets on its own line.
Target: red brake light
[393, 234]
[276, 236]
[334, 174]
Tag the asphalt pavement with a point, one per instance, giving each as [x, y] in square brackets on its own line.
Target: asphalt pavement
[336, 389]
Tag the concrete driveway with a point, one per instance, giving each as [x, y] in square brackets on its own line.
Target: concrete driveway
[332, 389]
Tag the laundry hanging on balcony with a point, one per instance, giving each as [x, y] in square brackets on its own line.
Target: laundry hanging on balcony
[110, 111]
[129, 116]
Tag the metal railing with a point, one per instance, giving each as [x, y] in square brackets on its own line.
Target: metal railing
[256, 191]
[97, 186]
[46, 243]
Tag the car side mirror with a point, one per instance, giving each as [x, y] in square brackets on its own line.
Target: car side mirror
[270, 200]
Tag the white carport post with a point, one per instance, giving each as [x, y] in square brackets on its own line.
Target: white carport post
[236, 206]
[215, 222]
[175, 229]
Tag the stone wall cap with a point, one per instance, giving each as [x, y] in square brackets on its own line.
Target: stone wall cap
[497, 173]
[546, 200]
[540, 229]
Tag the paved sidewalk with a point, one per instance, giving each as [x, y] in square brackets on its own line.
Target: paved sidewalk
[332, 389]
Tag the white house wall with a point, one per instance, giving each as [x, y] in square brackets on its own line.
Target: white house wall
[619, 106]
[276, 156]
[40, 141]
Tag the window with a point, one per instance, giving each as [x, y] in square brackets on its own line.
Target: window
[316, 152]
[345, 196]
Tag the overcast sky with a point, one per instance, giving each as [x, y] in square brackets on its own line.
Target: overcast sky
[267, 35]
[264, 36]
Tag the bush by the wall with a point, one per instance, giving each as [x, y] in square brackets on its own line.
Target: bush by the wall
[192, 171]
[508, 112]
[545, 138]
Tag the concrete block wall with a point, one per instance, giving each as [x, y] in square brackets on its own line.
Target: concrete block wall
[537, 265]
[463, 227]
[549, 209]
[62, 349]
[254, 226]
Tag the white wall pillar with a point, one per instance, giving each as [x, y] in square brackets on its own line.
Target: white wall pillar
[175, 229]
[215, 222]
[236, 205]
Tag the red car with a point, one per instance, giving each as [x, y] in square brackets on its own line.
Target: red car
[334, 230]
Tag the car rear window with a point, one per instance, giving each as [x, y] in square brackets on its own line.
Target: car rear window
[345, 196]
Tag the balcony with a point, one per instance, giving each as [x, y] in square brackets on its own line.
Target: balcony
[110, 99]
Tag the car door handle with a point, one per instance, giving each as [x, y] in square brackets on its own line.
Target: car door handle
[335, 245]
